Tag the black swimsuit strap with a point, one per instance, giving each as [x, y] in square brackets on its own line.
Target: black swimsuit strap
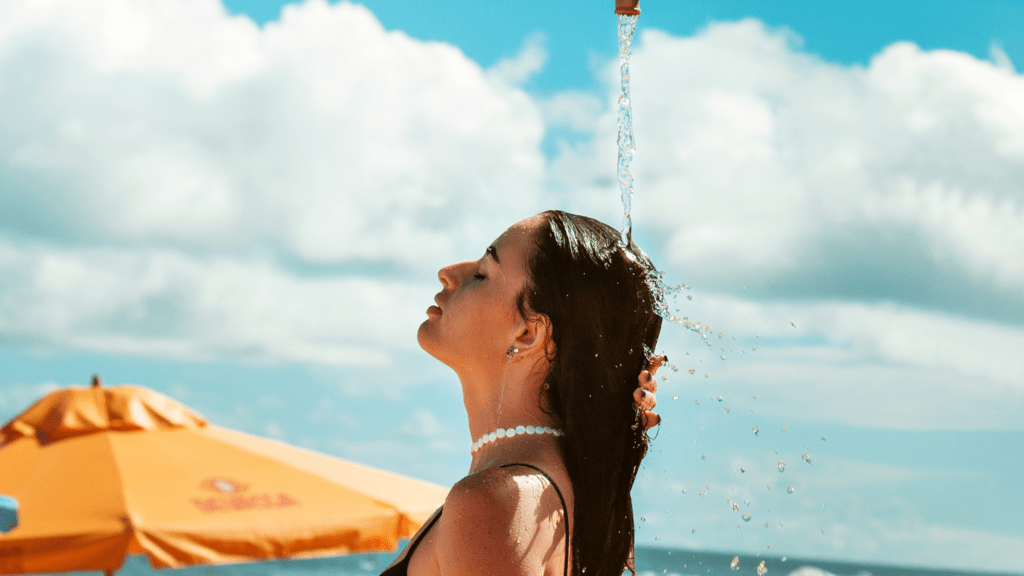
[401, 567]
[564, 507]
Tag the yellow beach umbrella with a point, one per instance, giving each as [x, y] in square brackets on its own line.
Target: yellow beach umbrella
[104, 472]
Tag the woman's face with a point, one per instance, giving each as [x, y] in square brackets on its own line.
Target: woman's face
[476, 319]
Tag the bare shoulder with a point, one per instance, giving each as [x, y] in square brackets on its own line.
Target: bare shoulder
[499, 521]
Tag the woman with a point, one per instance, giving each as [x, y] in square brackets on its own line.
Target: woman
[546, 332]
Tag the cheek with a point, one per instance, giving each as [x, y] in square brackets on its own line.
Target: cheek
[480, 324]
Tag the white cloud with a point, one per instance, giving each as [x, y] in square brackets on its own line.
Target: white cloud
[1000, 58]
[757, 160]
[873, 365]
[322, 135]
[526, 63]
[167, 304]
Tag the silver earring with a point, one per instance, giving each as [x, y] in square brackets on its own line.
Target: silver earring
[512, 351]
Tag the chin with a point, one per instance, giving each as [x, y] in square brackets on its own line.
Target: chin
[424, 338]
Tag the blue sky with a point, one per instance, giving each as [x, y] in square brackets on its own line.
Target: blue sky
[245, 207]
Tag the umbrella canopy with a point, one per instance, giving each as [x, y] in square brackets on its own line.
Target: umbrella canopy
[103, 472]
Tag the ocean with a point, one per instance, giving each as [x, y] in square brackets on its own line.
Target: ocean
[650, 562]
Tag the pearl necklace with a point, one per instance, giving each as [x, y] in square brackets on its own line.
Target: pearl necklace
[512, 432]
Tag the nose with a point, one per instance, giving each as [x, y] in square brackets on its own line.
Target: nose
[453, 274]
[445, 276]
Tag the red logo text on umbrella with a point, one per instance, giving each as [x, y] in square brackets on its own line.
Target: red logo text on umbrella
[233, 497]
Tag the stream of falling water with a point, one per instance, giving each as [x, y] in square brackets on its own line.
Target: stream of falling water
[627, 146]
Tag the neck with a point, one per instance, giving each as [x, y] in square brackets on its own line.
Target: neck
[505, 397]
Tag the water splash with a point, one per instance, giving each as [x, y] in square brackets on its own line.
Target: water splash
[626, 144]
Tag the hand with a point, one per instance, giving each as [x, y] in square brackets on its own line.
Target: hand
[644, 396]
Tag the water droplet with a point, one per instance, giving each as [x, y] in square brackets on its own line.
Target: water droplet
[735, 507]
[692, 370]
[783, 558]
[719, 398]
[735, 564]
[757, 431]
[784, 429]
[746, 502]
[761, 570]
[703, 494]
[704, 457]
[697, 401]
[689, 296]
[722, 356]
[657, 537]
[790, 489]
[822, 438]
[807, 458]
[792, 324]
[742, 470]
[720, 335]
[642, 519]
[753, 348]
[765, 524]
[727, 410]
[747, 517]
[768, 487]
[676, 397]
[705, 374]
[782, 465]
[694, 531]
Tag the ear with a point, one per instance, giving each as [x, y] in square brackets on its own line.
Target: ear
[534, 335]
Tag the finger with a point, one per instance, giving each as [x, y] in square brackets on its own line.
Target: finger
[657, 361]
[651, 419]
[647, 381]
[644, 399]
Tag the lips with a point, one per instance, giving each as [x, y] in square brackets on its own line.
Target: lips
[436, 309]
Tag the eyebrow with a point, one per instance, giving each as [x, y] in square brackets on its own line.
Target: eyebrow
[494, 253]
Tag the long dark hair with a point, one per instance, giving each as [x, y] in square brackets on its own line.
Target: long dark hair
[604, 327]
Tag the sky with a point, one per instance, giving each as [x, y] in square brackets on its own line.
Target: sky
[244, 207]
